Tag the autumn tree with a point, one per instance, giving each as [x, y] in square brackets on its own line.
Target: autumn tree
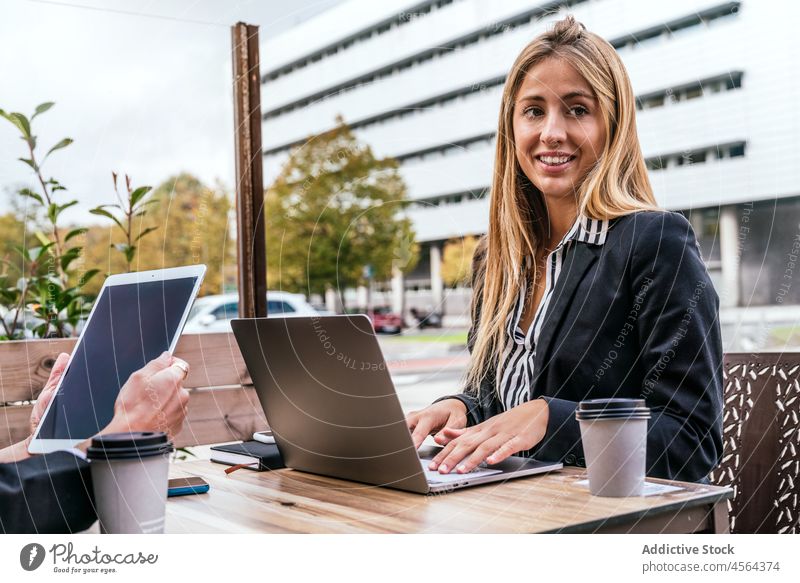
[457, 260]
[335, 215]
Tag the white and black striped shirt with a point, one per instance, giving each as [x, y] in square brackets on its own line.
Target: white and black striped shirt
[516, 370]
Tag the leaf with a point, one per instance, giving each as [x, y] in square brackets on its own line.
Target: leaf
[34, 253]
[42, 238]
[30, 163]
[75, 233]
[139, 193]
[54, 210]
[87, 276]
[41, 108]
[130, 252]
[67, 205]
[69, 256]
[104, 213]
[113, 206]
[145, 232]
[19, 120]
[29, 193]
[62, 144]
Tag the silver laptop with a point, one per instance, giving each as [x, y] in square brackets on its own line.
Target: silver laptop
[331, 404]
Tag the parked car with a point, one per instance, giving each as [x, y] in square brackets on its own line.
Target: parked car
[214, 313]
[385, 321]
[428, 319]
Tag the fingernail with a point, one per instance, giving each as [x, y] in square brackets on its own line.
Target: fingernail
[462, 468]
[432, 466]
[443, 469]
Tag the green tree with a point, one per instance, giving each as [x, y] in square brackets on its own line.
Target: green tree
[457, 260]
[334, 210]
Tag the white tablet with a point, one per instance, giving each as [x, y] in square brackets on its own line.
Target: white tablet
[135, 318]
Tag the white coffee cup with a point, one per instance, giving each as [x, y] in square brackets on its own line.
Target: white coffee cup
[130, 472]
[614, 438]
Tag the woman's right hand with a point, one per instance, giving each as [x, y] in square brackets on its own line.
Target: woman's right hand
[153, 399]
[451, 413]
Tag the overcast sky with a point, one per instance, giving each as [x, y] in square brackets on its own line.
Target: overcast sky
[143, 87]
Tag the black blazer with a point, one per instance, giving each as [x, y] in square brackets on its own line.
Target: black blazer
[636, 317]
[46, 494]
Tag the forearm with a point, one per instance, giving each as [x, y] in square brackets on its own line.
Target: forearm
[15, 453]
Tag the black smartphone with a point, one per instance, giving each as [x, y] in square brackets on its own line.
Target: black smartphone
[186, 486]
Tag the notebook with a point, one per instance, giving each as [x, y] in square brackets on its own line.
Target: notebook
[256, 455]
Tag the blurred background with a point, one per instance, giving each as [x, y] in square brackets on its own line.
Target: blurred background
[378, 133]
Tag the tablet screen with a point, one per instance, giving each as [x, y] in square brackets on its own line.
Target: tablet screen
[130, 325]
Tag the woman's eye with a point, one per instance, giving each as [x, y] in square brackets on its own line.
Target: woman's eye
[532, 112]
[579, 111]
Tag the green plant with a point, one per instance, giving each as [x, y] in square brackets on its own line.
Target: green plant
[46, 299]
[134, 206]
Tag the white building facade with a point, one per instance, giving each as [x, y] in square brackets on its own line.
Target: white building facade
[421, 82]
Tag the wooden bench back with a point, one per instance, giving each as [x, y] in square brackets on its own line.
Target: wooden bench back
[223, 404]
[761, 433]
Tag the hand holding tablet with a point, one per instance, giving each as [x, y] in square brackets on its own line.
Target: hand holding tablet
[115, 369]
[153, 399]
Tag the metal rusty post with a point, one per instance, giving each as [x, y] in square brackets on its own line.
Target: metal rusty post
[251, 241]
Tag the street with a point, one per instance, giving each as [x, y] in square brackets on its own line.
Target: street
[425, 365]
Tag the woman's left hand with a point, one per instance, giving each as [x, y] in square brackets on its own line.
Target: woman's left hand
[494, 440]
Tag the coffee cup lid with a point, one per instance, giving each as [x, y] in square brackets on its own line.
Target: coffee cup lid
[609, 404]
[612, 408]
[126, 446]
[637, 414]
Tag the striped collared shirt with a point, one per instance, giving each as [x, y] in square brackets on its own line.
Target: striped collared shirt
[516, 371]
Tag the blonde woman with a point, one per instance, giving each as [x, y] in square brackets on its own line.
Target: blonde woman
[582, 287]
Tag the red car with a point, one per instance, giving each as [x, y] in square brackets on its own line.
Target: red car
[385, 321]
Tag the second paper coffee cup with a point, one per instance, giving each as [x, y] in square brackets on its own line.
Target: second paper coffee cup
[130, 472]
[614, 438]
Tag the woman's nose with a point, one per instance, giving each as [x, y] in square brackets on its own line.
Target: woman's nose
[554, 130]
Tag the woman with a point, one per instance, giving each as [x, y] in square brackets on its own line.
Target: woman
[582, 287]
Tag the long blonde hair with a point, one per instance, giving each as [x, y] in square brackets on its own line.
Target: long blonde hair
[617, 184]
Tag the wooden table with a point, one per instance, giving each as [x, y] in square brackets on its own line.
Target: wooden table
[288, 501]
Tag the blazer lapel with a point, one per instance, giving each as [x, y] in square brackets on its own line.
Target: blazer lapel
[577, 261]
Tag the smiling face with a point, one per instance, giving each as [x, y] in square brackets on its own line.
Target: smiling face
[558, 128]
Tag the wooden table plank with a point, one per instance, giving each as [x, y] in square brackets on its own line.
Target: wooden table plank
[291, 501]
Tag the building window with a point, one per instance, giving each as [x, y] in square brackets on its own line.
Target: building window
[736, 151]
